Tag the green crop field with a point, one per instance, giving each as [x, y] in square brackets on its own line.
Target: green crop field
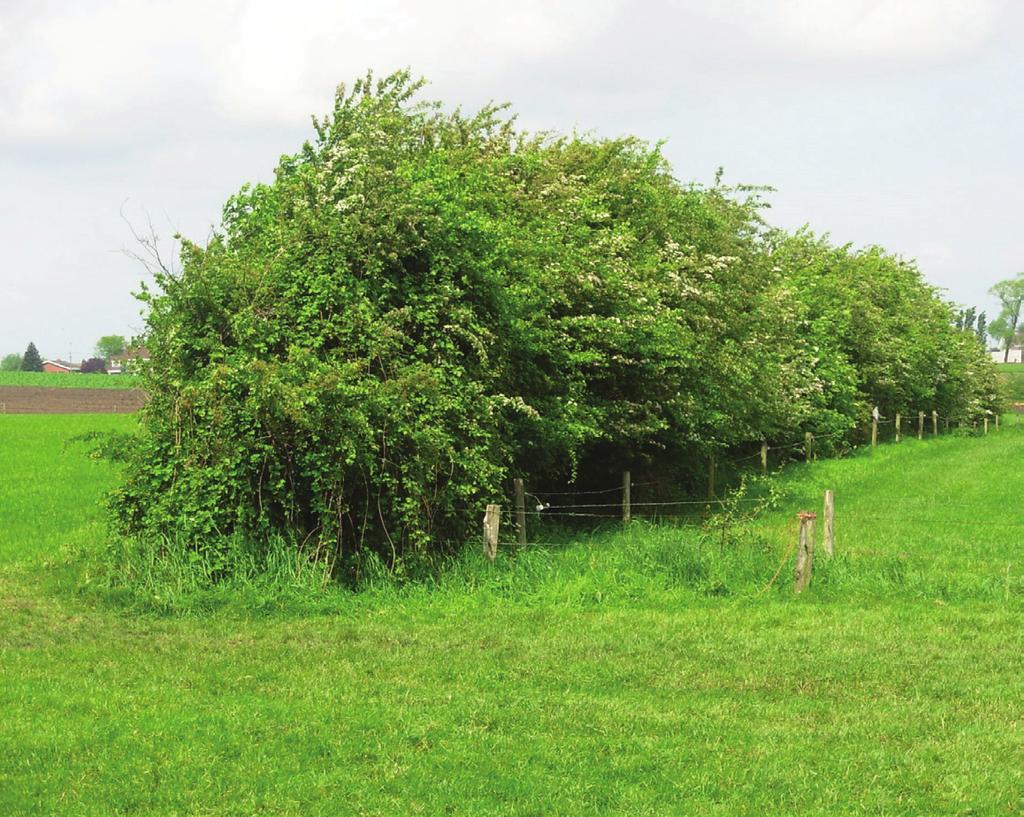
[646, 672]
[69, 381]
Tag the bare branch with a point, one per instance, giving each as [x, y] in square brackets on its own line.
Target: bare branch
[147, 252]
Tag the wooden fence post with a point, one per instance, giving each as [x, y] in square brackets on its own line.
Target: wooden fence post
[711, 478]
[830, 513]
[808, 445]
[626, 486]
[521, 511]
[804, 553]
[874, 432]
[935, 423]
[897, 426]
[920, 425]
[764, 456]
[492, 518]
[986, 424]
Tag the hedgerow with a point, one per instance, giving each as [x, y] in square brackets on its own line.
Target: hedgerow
[424, 303]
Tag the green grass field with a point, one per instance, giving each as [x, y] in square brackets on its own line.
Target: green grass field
[646, 672]
[1013, 374]
[69, 381]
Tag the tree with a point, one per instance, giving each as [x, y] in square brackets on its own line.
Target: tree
[970, 320]
[1011, 298]
[110, 345]
[31, 361]
[94, 365]
[11, 363]
[965, 319]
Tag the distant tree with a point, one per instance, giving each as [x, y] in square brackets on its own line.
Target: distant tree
[1011, 298]
[965, 319]
[94, 365]
[998, 330]
[11, 363]
[968, 319]
[31, 361]
[110, 345]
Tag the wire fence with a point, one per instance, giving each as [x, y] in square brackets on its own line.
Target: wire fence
[562, 505]
[862, 520]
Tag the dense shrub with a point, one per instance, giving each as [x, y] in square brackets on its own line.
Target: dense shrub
[94, 365]
[423, 303]
[880, 335]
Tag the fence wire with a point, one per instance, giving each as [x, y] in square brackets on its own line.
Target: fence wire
[909, 428]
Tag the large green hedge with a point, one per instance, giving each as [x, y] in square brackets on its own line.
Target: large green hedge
[424, 303]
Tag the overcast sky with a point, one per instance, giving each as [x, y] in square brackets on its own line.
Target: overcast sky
[897, 122]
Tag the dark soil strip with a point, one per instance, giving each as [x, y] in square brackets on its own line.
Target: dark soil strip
[41, 400]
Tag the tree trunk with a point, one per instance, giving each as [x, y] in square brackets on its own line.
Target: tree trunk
[1013, 334]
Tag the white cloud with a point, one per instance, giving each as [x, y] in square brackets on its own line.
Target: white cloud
[882, 120]
[86, 70]
[890, 30]
[284, 67]
[90, 70]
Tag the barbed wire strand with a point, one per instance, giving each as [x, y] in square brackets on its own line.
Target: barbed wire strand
[801, 444]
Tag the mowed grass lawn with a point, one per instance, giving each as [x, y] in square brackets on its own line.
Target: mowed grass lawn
[623, 674]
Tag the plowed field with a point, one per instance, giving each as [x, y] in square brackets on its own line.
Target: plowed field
[41, 400]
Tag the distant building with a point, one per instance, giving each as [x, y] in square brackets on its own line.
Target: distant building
[60, 367]
[1016, 355]
[127, 361]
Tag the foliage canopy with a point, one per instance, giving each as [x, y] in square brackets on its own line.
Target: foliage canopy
[424, 303]
[11, 363]
[1005, 327]
[110, 345]
[94, 365]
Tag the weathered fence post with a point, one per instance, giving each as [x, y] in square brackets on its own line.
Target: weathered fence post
[808, 445]
[804, 553]
[830, 513]
[920, 425]
[764, 456]
[626, 486]
[897, 426]
[521, 511]
[492, 518]
[935, 423]
[874, 432]
[986, 424]
[711, 478]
